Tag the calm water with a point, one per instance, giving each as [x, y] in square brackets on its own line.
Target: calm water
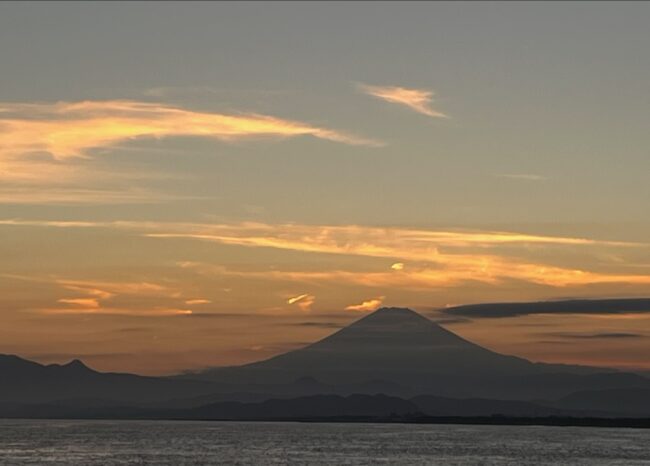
[185, 443]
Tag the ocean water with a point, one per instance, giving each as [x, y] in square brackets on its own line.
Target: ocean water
[175, 443]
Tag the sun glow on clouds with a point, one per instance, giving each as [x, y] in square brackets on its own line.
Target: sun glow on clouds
[303, 301]
[328, 238]
[91, 303]
[41, 146]
[440, 258]
[193, 302]
[70, 129]
[419, 100]
[367, 306]
[102, 297]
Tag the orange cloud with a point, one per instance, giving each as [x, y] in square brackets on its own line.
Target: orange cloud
[443, 257]
[329, 238]
[192, 302]
[62, 196]
[354, 239]
[419, 100]
[304, 301]
[152, 311]
[71, 129]
[295, 299]
[98, 297]
[426, 278]
[106, 289]
[90, 303]
[40, 145]
[367, 306]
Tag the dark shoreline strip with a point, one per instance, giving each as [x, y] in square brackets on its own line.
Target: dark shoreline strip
[551, 421]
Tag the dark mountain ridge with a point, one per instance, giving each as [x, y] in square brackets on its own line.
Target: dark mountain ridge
[27, 381]
[399, 346]
[377, 406]
[628, 401]
[393, 351]
[389, 344]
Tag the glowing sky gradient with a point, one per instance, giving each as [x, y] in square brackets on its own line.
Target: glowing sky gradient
[190, 185]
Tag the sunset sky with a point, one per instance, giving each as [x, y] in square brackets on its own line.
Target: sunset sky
[201, 184]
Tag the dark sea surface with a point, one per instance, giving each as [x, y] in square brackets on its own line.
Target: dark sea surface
[256, 443]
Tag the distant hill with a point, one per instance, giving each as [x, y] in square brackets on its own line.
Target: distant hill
[634, 402]
[302, 408]
[307, 407]
[26, 381]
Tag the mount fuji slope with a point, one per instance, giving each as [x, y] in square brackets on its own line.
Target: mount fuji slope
[399, 346]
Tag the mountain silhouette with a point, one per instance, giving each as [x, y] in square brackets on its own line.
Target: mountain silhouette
[389, 344]
[394, 352]
[399, 346]
[28, 381]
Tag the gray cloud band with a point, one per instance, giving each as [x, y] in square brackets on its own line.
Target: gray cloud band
[577, 306]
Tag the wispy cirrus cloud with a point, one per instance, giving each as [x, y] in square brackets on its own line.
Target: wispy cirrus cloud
[420, 278]
[48, 150]
[419, 100]
[331, 238]
[128, 298]
[379, 241]
[98, 297]
[71, 129]
[438, 258]
[153, 311]
[58, 195]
